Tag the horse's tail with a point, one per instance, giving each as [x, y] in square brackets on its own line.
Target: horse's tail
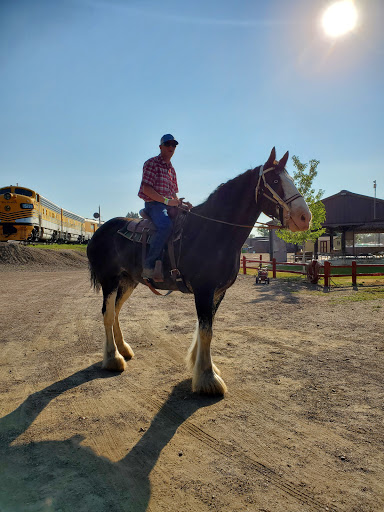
[94, 281]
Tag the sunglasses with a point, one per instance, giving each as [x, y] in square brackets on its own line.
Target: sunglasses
[170, 143]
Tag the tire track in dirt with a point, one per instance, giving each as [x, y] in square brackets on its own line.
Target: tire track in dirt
[269, 409]
[188, 427]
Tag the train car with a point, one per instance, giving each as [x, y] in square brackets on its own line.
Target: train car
[27, 216]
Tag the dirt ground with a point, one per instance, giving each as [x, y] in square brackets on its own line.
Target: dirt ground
[301, 428]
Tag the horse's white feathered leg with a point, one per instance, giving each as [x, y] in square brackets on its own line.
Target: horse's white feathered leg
[204, 378]
[192, 351]
[112, 359]
[123, 347]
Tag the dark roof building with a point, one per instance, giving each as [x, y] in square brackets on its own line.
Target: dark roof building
[349, 214]
[347, 211]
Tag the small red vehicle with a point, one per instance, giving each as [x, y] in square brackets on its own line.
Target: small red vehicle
[262, 275]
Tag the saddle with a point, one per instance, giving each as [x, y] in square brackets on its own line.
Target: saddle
[141, 231]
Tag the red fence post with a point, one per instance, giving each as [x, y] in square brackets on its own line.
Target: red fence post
[327, 273]
[354, 273]
[274, 267]
[244, 265]
[261, 260]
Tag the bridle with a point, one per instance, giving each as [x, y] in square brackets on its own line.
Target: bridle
[274, 197]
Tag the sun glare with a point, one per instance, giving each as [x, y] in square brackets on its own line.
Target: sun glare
[339, 18]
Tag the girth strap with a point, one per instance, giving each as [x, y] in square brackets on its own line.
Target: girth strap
[175, 272]
[143, 247]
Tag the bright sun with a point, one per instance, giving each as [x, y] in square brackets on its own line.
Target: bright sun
[339, 18]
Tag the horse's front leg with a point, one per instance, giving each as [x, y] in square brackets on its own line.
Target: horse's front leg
[112, 360]
[205, 377]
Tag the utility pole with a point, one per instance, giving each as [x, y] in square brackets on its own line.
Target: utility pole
[374, 201]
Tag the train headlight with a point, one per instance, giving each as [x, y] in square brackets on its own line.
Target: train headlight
[27, 206]
[7, 196]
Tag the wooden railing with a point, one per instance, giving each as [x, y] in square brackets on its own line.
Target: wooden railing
[326, 269]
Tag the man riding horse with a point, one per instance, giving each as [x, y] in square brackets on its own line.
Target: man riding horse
[208, 254]
[159, 190]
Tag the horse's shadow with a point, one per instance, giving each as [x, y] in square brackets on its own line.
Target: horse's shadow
[283, 291]
[65, 476]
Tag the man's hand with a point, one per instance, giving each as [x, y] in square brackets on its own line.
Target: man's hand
[184, 204]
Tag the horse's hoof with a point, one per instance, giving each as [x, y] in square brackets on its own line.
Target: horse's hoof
[126, 351]
[115, 364]
[209, 383]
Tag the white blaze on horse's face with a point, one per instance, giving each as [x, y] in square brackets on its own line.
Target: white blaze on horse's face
[299, 216]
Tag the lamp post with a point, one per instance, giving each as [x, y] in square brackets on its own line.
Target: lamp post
[374, 201]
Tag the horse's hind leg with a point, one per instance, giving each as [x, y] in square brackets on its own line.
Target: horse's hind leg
[123, 293]
[204, 378]
[112, 359]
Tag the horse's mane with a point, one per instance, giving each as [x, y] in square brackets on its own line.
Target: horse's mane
[226, 192]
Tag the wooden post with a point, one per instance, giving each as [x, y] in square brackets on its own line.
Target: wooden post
[261, 261]
[354, 273]
[274, 267]
[327, 273]
[244, 265]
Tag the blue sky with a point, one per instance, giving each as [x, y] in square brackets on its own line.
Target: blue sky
[88, 87]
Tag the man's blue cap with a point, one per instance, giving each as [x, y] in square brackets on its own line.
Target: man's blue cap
[166, 138]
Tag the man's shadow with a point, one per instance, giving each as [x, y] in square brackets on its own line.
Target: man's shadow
[65, 476]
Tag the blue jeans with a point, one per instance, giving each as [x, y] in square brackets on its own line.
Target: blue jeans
[159, 216]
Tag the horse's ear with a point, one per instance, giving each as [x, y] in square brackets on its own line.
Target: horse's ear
[271, 159]
[284, 160]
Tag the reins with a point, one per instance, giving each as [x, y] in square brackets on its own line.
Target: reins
[262, 224]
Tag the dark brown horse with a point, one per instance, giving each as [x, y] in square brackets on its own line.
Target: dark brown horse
[208, 256]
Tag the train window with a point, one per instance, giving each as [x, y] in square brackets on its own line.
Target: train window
[24, 192]
[5, 190]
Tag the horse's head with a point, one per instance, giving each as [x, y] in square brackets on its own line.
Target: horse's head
[278, 195]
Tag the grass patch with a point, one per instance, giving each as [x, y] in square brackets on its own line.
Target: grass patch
[60, 247]
[361, 282]
[361, 295]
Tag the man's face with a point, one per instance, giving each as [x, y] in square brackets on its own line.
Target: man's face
[168, 148]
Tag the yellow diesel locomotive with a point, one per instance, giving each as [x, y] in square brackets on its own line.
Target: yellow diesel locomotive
[27, 216]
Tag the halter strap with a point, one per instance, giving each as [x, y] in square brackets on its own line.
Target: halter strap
[275, 197]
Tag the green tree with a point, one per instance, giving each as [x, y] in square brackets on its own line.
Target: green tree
[263, 231]
[303, 180]
[133, 215]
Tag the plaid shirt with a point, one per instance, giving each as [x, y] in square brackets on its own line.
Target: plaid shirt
[161, 176]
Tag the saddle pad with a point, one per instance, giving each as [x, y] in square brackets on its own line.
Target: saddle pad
[134, 229]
